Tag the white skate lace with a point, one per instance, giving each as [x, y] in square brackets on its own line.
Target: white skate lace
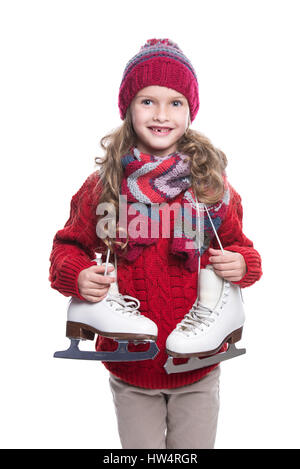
[127, 307]
[198, 316]
[131, 307]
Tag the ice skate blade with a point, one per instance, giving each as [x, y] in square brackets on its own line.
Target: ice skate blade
[120, 355]
[196, 363]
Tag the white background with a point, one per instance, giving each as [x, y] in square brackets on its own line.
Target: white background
[61, 67]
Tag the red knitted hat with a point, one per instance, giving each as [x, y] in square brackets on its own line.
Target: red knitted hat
[159, 62]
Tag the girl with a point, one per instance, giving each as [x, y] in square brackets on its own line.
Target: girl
[155, 157]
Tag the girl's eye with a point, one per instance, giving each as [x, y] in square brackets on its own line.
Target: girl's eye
[146, 100]
[179, 102]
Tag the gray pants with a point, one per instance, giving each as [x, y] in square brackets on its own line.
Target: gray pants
[184, 417]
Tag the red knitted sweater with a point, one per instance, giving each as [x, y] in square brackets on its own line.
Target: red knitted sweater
[157, 278]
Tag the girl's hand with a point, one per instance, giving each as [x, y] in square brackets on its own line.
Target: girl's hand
[92, 284]
[230, 265]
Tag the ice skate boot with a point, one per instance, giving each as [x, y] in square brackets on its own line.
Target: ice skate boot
[217, 317]
[117, 316]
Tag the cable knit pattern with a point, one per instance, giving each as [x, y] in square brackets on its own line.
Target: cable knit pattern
[157, 278]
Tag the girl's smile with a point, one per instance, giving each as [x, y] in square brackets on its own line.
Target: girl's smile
[160, 116]
[160, 131]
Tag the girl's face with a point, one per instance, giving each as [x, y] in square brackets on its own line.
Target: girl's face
[161, 108]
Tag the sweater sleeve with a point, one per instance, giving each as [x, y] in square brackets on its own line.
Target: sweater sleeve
[74, 246]
[231, 234]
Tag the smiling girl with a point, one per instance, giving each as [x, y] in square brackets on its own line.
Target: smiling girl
[154, 157]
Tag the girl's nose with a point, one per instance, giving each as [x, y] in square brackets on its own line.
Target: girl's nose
[160, 113]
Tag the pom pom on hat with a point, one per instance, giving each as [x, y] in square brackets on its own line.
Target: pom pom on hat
[153, 42]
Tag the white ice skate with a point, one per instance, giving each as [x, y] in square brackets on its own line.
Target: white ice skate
[217, 317]
[117, 316]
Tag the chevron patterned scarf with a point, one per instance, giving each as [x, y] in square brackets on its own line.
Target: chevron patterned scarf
[157, 200]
